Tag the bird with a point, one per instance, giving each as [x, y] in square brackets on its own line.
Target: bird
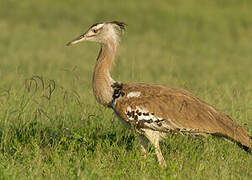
[153, 110]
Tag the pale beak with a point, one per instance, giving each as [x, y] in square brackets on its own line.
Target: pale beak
[77, 40]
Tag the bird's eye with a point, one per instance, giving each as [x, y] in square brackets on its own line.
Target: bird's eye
[94, 30]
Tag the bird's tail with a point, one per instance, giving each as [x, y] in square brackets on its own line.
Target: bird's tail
[247, 147]
[241, 136]
[232, 130]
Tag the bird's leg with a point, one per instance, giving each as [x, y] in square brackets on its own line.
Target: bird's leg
[154, 137]
[144, 144]
[143, 150]
[160, 157]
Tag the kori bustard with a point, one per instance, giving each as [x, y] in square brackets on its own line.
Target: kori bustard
[153, 110]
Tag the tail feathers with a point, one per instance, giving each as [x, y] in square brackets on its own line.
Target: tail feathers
[232, 130]
[240, 136]
[241, 143]
[244, 140]
[245, 148]
[249, 149]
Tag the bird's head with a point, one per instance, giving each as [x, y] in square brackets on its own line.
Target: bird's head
[101, 33]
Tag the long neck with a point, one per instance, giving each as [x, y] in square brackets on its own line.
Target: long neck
[102, 80]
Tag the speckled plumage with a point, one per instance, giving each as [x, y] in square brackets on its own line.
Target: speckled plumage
[154, 110]
[165, 109]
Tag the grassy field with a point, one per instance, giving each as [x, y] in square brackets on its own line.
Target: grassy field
[52, 128]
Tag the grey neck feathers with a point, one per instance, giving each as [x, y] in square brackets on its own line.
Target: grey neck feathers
[102, 80]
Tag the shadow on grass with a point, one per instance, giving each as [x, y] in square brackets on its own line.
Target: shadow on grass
[35, 134]
[121, 140]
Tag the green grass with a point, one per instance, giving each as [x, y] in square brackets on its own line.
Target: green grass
[202, 46]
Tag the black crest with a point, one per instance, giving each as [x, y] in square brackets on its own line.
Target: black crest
[119, 24]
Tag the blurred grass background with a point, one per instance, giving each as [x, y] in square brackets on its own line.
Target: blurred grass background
[202, 46]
